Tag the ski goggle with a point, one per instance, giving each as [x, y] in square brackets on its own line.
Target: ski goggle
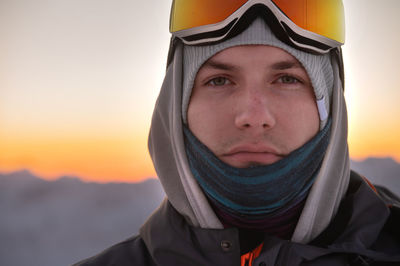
[313, 25]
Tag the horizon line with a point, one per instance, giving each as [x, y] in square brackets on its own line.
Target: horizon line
[144, 179]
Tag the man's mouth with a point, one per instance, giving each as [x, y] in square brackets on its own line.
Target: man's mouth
[250, 155]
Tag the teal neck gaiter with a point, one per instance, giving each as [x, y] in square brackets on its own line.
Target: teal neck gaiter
[260, 191]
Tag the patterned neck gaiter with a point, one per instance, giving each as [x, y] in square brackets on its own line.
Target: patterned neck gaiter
[251, 196]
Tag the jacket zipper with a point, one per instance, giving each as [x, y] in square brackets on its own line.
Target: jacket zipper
[248, 258]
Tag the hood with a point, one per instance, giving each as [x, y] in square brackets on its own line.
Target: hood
[166, 147]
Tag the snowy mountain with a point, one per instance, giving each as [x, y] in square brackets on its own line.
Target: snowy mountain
[63, 221]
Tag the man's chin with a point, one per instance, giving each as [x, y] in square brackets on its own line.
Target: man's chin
[254, 164]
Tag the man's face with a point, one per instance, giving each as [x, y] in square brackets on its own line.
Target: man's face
[252, 105]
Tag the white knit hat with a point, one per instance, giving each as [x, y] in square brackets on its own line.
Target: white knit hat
[318, 67]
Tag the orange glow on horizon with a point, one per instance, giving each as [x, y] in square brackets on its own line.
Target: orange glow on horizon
[126, 158]
[362, 146]
[122, 159]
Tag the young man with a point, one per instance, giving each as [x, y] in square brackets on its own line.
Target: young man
[249, 139]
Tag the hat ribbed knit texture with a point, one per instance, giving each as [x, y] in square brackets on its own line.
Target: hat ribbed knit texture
[318, 67]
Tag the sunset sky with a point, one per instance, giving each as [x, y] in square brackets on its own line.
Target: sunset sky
[79, 79]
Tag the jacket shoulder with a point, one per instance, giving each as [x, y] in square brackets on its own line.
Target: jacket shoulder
[132, 251]
[386, 195]
[389, 237]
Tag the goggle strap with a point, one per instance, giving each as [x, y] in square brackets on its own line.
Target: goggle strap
[211, 34]
[171, 51]
[339, 58]
[299, 40]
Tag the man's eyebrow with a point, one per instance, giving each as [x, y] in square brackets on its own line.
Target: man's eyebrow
[286, 65]
[219, 65]
[281, 65]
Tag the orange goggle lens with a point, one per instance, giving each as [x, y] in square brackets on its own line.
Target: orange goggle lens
[323, 17]
[186, 14]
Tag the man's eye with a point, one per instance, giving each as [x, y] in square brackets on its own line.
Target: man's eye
[288, 79]
[219, 81]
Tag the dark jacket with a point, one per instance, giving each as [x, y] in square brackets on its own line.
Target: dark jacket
[365, 231]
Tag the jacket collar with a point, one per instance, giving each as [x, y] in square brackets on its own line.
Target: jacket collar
[356, 227]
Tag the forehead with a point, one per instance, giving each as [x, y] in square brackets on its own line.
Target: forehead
[234, 58]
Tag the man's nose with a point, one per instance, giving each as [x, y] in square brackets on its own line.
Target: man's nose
[254, 111]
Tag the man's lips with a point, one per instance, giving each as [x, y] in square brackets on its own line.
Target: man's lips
[246, 155]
